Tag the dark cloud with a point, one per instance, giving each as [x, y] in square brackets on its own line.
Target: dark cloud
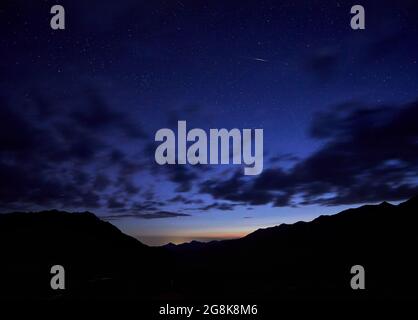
[369, 154]
[184, 200]
[219, 206]
[49, 157]
[16, 133]
[125, 183]
[89, 199]
[113, 203]
[101, 182]
[236, 189]
[283, 158]
[183, 176]
[153, 215]
[130, 188]
[80, 177]
[147, 205]
[29, 186]
[97, 115]
[116, 156]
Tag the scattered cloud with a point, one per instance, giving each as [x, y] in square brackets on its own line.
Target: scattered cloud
[369, 154]
[153, 215]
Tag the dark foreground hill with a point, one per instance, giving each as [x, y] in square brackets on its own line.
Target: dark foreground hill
[99, 260]
[313, 259]
[306, 260]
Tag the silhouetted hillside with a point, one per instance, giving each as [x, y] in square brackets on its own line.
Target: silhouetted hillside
[304, 260]
[98, 258]
[312, 259]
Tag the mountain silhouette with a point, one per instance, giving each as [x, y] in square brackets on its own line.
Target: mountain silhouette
[98, 258]
[313, 259]
[305, 260]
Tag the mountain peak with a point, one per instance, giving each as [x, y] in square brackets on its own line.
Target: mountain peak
[412, 202]
[386, 204]
[169, 245]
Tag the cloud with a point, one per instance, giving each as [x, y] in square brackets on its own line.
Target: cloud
[113, 203]
[153, 215]
[50, 157]
[235, 189]
[184, 200]
[183, 176]
[280, 158]
[369, 154]
[101, 182]
[219, 206]
[97, 115]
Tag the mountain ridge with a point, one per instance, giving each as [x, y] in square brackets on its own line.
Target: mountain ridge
[85, 214]
[289, 261]
[282, 226]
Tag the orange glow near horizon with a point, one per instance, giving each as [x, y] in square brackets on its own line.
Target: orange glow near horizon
[203, 236]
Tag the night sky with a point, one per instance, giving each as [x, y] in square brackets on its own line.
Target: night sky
[79, 109]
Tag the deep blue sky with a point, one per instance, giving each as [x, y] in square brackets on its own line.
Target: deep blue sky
[79, 109]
